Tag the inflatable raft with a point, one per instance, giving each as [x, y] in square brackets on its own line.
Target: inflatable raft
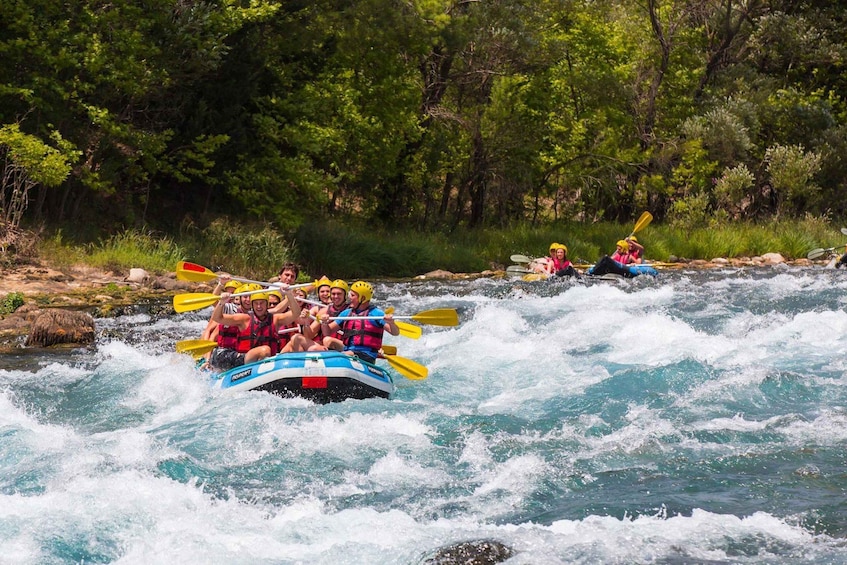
[324, 376]
[607, 265]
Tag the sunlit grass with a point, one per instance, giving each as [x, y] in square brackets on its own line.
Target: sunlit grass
[351, 252]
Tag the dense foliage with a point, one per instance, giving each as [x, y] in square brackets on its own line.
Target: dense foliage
[425, 114]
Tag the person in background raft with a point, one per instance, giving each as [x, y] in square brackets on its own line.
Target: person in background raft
[561, 265]
[544, 265]
[362, 338]
[842, 261]
[636, 250]
[614, 264]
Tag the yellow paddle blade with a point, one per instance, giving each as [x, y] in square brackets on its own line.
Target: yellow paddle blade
[408, 368]
[409, 330]
[642, 222]
[193, 272]
[194, 301]
[438, 317]
[389, 349]
[195, 347]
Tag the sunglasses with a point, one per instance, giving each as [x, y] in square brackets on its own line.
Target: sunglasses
[273, 303]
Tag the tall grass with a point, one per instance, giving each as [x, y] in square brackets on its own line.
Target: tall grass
[134, 249]
[350, 252]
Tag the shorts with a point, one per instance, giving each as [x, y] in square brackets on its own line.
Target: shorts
[226, 359]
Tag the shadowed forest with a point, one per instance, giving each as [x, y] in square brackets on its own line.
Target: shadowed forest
[425, 115]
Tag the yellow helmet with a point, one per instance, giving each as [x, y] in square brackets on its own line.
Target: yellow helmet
[323, 281]
[363, 289]
[242, 288]
[258, 296]
[233, 284]
[563, 246]
[338, 283]
[276, 293]
[633, 238]
[553, 247]
[623, 244]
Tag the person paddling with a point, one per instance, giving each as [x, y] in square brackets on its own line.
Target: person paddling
[636, 250]
[362, 338]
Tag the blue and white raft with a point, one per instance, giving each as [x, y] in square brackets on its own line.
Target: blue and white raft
[321, 376]
[607, 265]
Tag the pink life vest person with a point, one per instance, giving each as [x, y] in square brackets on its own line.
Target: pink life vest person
[621, 254]
[636, 250]
[362, 338]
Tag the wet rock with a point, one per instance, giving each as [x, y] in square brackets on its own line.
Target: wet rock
[56, 326]
[479, 552]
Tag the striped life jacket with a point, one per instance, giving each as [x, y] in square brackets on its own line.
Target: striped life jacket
[259, 332]
[364, 333]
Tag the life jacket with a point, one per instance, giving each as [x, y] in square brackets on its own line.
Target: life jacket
[332, 311]
[364, 333]
[228, 336]
[258, 332]
[284, 338]
[635, 254]
[621, 257]
[560, 265]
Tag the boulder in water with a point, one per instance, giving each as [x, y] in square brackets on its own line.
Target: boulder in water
[56, 326]
[479, 552]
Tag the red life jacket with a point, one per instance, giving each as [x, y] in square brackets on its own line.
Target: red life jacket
[364, 333]
[332, 311]
[228, 336]
[259, 332]
[285, 337]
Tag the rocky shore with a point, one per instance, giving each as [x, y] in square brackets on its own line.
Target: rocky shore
[105, 293]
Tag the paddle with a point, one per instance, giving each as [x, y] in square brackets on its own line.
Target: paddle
[200, 300]
[520, 259]
[410, 369]
[406, 330]
[437, 317]
[517, 269]
[642, 223]
[818, 253]
[193, 272]
[195, 347]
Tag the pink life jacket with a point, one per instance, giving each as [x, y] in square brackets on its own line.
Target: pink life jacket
[364, 333]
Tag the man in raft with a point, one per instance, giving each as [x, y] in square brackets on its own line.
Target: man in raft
[362, 338]
[257, 336]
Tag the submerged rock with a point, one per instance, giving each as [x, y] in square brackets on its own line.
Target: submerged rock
[56, 326]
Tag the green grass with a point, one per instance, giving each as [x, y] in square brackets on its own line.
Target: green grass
[352, 252]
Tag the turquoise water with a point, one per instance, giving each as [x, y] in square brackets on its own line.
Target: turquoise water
[694, 418]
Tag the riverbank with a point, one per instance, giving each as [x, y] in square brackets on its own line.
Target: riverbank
[108, 293]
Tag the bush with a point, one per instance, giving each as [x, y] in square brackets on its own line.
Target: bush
[11, 302]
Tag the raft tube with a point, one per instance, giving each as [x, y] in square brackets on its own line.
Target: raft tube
[320, 376]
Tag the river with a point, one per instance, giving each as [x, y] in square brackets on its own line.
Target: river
[699, 417]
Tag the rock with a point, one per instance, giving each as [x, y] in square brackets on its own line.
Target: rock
[439, 274]
[773, 258]
[479, 552]
[720, 261]
[56, 326]
[139, 276]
